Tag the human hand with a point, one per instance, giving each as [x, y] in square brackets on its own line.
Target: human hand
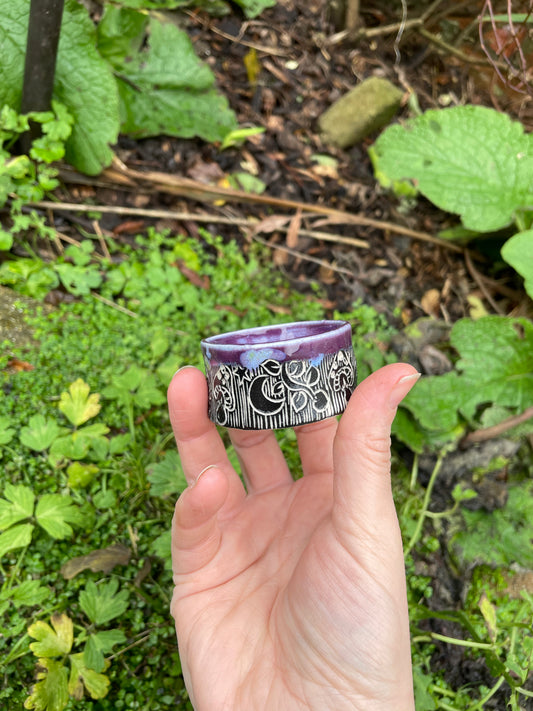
[291, 595]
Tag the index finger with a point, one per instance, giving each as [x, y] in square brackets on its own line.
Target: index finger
[197, 438]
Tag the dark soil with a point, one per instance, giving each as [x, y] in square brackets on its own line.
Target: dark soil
[301, 73]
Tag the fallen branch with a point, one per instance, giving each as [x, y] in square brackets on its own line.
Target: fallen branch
[304, 257]
[198, 217]
[496, 430]
[185, 187]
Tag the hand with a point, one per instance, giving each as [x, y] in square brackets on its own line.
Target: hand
[290, 594]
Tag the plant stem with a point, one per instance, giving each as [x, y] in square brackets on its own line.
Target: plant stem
[425, 504]
[489, 695]
[41, 51]
[461, 642]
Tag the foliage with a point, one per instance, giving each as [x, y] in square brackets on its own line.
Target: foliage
[502, 537]
[469, 160]
[28, 178]
[88, 426]
[162, 85]
[136, 72]
[492, 375]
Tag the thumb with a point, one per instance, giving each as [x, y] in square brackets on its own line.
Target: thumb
[363, 508]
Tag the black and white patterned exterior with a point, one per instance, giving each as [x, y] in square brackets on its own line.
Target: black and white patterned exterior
[278, 394]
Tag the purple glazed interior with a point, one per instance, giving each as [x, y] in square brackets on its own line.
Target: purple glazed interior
[304, 340]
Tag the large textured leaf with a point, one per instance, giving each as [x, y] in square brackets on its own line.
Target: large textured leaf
[83, 81]
[17, 505]
[85, 84]
[50, 693]
[518, 252]
[470, 160]
[54, 641]
[164, 89]
[502, 537]
[13, 32]
[495, 366]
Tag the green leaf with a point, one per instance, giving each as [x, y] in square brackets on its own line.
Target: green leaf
[99, 644]
[252, 8]
[495, 366]
[6, 432]
[79, 280]
[165, 88]
[40, 433]
[54, 512]
[80, 675]
[81, 475]
[496, 362]
[77, 405]
[84, 82]
[17, 505]
[470, 160]
[15, 537]
[120, 34]
[50, 642]
[500, 538]
[518, 252]
[50, 693]
[167, 477]
[135, 385]
[103, 603]
[29, 592]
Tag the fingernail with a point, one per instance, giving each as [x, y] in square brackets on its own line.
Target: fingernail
[402, 387]
[183, 367]
[200, 475]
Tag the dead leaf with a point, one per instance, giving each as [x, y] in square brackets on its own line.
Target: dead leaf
[129, 227]
[270, 224]
[294, 230]
[19, 365]
[252, 65]
[430, 302]
[143, 572]
[100, 560]
[202, 282]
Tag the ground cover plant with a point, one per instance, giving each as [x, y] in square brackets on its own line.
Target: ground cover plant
[89, 472]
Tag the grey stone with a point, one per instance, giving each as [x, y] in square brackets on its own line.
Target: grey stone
[362, 111]
[13, 327]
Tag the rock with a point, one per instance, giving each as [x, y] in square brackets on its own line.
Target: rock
[362, 111]
[13, 327]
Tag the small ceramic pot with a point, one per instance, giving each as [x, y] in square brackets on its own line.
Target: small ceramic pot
[279, 376]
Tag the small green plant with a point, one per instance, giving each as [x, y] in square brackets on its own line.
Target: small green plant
[60, 673]
[54, 513]
[469, 160]
[23, 178]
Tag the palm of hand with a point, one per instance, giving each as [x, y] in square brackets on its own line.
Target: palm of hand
[280, 607]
